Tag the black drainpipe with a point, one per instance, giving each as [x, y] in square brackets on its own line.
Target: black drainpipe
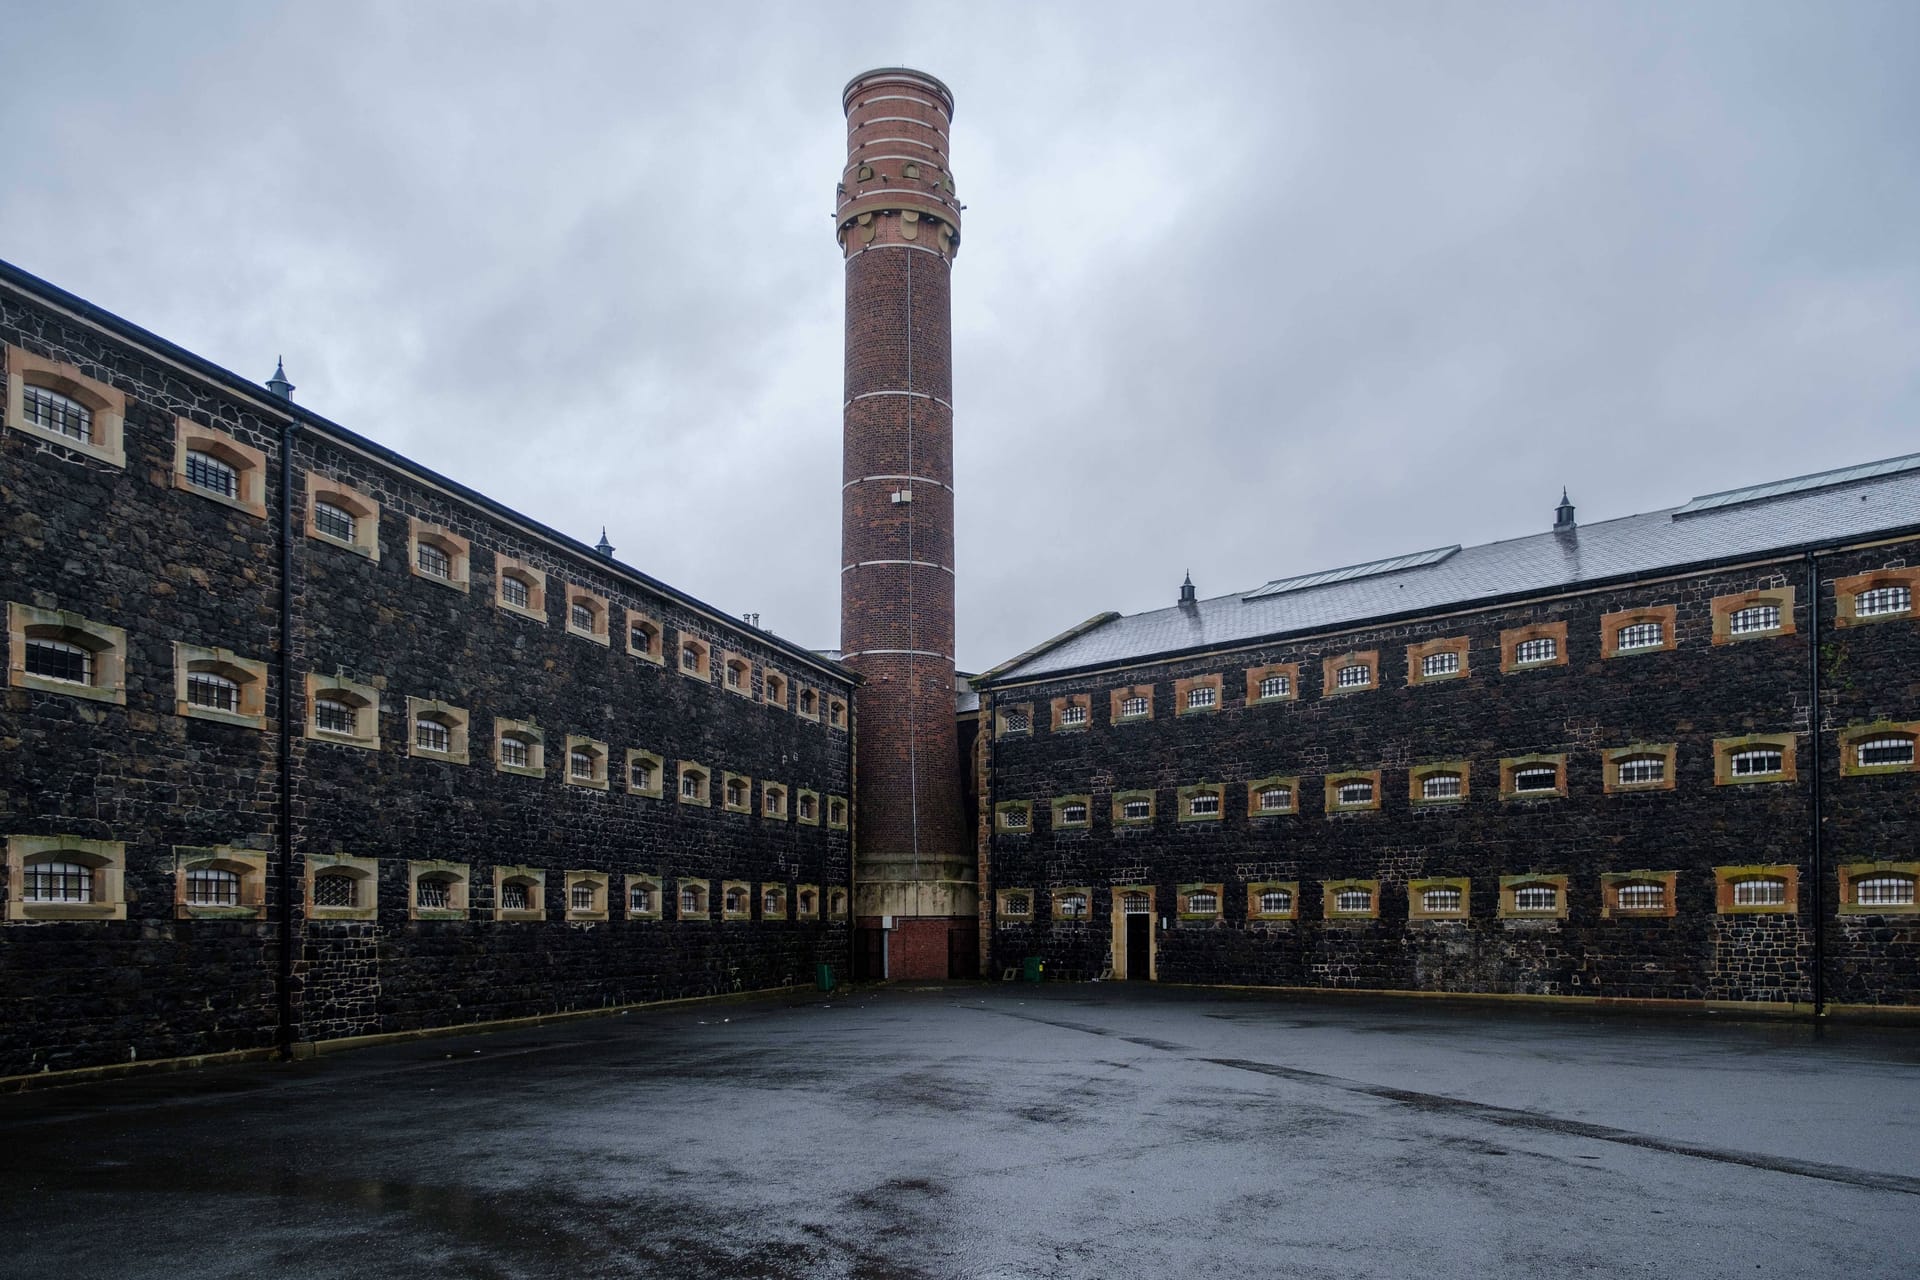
[286, 738]
[1819, 768]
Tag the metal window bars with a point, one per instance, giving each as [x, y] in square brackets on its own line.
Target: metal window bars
[204, 471]
[51, 411]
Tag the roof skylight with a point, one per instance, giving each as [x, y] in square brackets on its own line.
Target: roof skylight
[1800, 484]
[1417, 560]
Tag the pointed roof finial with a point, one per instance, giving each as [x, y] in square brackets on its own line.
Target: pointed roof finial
[1563, 514]
[1186, 589]
[604, 547]
[278, 383]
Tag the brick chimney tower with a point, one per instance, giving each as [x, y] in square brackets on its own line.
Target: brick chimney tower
[898, 221]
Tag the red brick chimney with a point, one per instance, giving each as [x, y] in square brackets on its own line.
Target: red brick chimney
[898, 222]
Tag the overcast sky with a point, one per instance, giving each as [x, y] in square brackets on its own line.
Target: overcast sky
[1252, 290]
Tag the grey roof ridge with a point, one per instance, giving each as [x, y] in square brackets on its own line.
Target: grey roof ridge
[1071, 633]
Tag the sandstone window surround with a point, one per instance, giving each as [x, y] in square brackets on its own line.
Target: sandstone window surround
[212, 464]
[1879, 595]
[437, 554]
[1274, 797]
[1444, 782]
[1198, 695]
[1011, 718]
[519, 895]
[1133, 808]
[837, 903]
[690, 900]
[806, 901]
[219, 685]
[644, 896]
[1630, 633]
[586, 762]
[1753, 615]
[1202, 802]
[1534, 777]
[587, 614]
[1072, 905]
[836, 713]
[807, 704]
[1130, 704]
[692, 784]
[1754, 758]
[585, 896]
[1884, 746]
[65, 878]
[1628, 894]
[58, 404]
[1271, 900]
[773, 902]
[1354, 672]
[1013, 906]
[1438, 661]
[736, 793]
[1533, 896]
[646, 638]
[773, 801]
[519, 588]
[342, 888]
[1879, 888]
[340, 515]
[1200, 903]
[1275, 682]
[437, 890]
[736, 673]
[1350, 899]
[1640, 766]
[806, 808]
[646, 773]
[1014, 817]
[52, 651]
[1533, 648]
[343, 712]
[1772, 889]
[1439, 898]
[436, 731]
[220, 882]
[520, 747]
[695, 659]
[837, 813]
[1072, 813]
[736, 900]
[1352, 791]
[1071, 713]
[774, 689]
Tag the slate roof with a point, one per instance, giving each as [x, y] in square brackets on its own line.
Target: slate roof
[1783, 516]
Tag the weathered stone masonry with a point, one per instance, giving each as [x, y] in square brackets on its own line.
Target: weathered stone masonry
[130, 548]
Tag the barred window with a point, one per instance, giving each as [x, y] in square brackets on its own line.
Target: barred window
[1883, 600]
[1136, 903]
[1884, 751]
[1073, 814]
[515, 752]
[514, 591]
[204, 471]
[1356, 675]
[514, 896]
[773, 800]
[736, 675]
[770, 903]
[582, 896]
[1276, 902]
[1203, 902]
[834, 713]
[1133, 706]
[693, 784]
[1276, 799]
[1275, 686]
[1352, 902]
[1074, 714]
[807, 701]
[50, 881]
[430, 735]
[1760, 891]
[640, 899]
[1640, 635]
[1136, 810]
[1441, 902]
[1541, 649]
[1018, 904]
[335, 522]
[1641, 895]
[581, 762]
[1013, 817]
[331, 715]
[640, 775]
[735, 901]
[1201, 696]
[806, 808]
[212, 691]
[335, 889]
[1203, 804]
[1536, 777]
[1759, 617]
[689, 901]
[806, 902]
[1018, 721]
[643, 636]
[836, 813]
[1885, 889]
[689, 657]
[1639, 770]
[1073, 906]
[736, 792]
[582, 615]
[1354, 793]
[1440, 664]
[433, 893]
[51, 411]
[58, 660]
[211, 887]
[1758, 763]
[1440, 786]
[1536, 897]
[433, 561]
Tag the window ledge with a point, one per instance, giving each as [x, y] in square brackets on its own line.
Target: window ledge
[68, 910]
[588, 784]
[595, 636]
[258, 510]
[518, 611]
[185, 912]
[524, 770]
[439, 913]
[357, 549]
[449, 583]
[514, 915]
[342, 740]
[113, 457]
[318, 914]
[71, 688]
[586, 917]
[236, 718]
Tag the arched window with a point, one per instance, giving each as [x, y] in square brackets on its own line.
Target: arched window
[643, 637]
[581, 615]
[837, 813]
[1355, 675]
[1276, 902]
[59, 660]
[516, 751]
[429, 734]
[1541, 898]
[1440, 786]
[1352, 901]
[1637, 771]
[837, 902]
[1354, 793]
[204, 471]
[515, 591]
[1755, 618]
[1203, 902]
[1017, 904]
[1203, 805]
[640, 899]
[1440, 664]
[1539, 649]
[1137, 810]
[1133, 707]
[807, 808]
[211, 887]
[640, 775]
[807, 901]
[693, 785]
[1276, 799]
[1640, 895]
[736, 674]
[1136, 903]
[1881, 601]
[1073, 814]
[693, 901]
[334, 521]
[808, 702]
[516, 895]
[735, 902]
[1760, 891]
[433, 893]
[773, 801]
[1883, 750]
[1275, 686]
[583, 896]
[772, 903]
[1073, 715]
[1884, 889]
[1536, 777]
[1202, 696]
[580, 762]
[1441, 902]
[433, 561]
[736, 793]
[1073, 906]
[336, 889]
[336, 715]
[52, 879]
[1639, 635]
[212, 691]
[50, 411]
[1757, 763]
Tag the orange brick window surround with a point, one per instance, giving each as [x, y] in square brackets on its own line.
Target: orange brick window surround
[1534, 638]
[1274, 682]
[1437, 661]
[1628, 633]
[1331, 669]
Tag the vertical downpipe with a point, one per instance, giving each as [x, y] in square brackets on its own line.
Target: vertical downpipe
[1819, 768]
[285, 984]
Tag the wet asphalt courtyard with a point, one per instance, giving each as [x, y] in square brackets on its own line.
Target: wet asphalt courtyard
[998, 1132]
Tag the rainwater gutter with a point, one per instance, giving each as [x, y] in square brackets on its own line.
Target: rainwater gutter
[285, 981]
[1816, 846]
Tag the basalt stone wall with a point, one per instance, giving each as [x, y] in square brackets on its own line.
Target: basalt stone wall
[1687, 696]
